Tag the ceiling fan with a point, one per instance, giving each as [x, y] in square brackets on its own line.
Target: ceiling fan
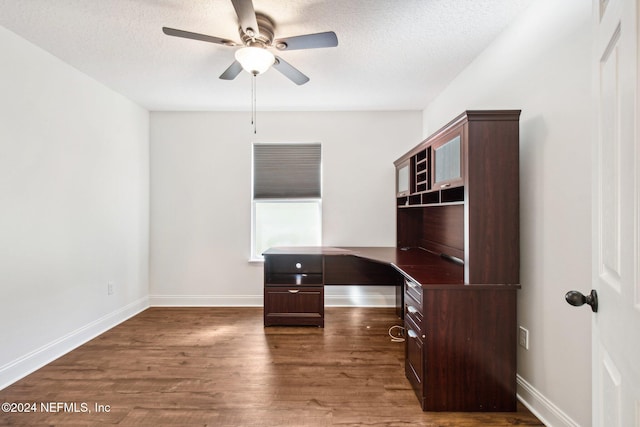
[257, 33]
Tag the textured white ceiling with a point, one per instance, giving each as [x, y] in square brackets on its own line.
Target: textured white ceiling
[392, 54]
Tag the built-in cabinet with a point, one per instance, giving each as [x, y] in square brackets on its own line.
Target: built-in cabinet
[463, 206]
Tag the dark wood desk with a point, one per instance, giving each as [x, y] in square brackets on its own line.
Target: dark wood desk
[460, 338]
[458, 199]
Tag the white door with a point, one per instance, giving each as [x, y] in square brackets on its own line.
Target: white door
[616, 207]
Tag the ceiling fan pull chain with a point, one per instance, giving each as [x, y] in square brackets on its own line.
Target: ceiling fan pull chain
[253, 103]
[253, 80]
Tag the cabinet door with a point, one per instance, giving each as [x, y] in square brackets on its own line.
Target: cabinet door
[403, 179]
[447, 161]
[290, 305]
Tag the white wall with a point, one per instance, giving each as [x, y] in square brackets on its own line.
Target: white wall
[541, 65]
[201, 197]
[73, 207]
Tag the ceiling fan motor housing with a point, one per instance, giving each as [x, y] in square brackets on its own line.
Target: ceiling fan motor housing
[263, 37]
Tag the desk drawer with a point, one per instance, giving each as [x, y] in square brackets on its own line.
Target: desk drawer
[414, 361]
[290, 305]
[413, 316]
[293, 264]
[413, 290]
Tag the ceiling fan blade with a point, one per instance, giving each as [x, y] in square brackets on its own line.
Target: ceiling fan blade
[195, 36]
[246, 15]
[290, 71]
[307, 41]
[231, 72]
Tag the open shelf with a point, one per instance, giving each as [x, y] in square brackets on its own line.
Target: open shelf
[294, 279]
[455, 194]
[446, 196]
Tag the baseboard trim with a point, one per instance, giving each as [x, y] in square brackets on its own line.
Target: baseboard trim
[541, 407]
[36, 359]
[205, 300]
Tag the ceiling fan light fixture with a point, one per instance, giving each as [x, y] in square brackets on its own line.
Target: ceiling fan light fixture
[255, 60]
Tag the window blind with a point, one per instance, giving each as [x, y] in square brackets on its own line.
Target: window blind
[290, 171]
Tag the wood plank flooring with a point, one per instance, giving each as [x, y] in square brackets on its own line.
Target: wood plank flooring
[221, 367]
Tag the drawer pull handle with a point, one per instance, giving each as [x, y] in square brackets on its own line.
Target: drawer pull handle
[412, 334]
[294, 291]
[411, 309]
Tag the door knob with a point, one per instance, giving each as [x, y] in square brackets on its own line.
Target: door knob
[577, 299]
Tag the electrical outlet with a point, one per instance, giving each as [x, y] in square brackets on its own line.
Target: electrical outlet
[110, 288]
[523, 338]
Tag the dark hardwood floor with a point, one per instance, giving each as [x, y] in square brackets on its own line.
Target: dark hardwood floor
[221, 367]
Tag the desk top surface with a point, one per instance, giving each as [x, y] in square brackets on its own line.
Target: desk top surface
[419, 265]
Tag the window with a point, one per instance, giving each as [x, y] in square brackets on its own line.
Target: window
[287, 196]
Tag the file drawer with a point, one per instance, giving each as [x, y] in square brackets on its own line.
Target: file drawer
[290, 305]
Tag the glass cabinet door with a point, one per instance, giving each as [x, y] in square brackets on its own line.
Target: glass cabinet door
[402, 179]
[447, 162]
